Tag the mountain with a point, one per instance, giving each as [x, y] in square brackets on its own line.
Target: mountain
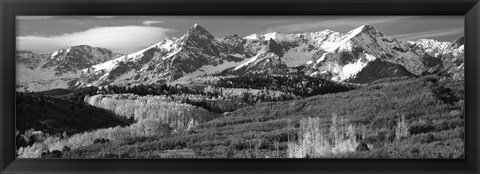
[342, 56]
[195, 53]
[451, 54]
[454, 59]
[77, 57]
[361, 55]
[28, 59]
[358, 48]
[38, 72]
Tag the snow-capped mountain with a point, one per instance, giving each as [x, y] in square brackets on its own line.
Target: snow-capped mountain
[454, 58]
[356, 50]
[267, 60]
[361, 55]
[364, 51]
[37, 72]
[78, 57]
[198, 53]
[167, 60]
[431, 46]
[342, 57]
[296, 49]
[437, 48]
[451, 54]
[28, 59]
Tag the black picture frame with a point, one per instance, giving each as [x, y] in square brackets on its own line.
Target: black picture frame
[470, 9]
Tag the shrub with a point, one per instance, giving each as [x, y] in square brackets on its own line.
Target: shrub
[53, 154]
[239, 144]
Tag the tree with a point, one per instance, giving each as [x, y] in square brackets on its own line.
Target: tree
[402, 130]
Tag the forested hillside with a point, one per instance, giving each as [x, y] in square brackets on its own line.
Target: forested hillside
[391, 118]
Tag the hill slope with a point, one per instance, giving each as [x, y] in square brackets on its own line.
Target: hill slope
[54, 115]
[432, 111]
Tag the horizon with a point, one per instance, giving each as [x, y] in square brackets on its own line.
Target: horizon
[118, 34]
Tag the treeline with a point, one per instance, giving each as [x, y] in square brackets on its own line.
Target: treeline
[140, 89]
[294, 84]
[220, 100]
[213, 99]
[297, 84]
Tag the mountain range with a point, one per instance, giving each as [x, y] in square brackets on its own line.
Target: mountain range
[360, 56]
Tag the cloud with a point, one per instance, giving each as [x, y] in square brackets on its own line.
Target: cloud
[429, 34]
[332, 24]
[33, 17]
[123, 39]
[151, 22]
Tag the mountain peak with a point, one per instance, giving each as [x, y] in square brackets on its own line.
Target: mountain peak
[196, 27]
[199, 30]
[367, 29]
[80, 46]
[363, 28]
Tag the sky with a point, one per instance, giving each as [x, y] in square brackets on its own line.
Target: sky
[127, 34]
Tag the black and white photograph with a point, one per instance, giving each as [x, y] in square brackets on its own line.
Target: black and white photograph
[177, 87]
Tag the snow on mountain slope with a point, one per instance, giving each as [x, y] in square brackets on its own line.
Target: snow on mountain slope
[367, 40]
[264, 62]
[77, 57]
[323, 39]
[38, 72]
[122, 69]
[431, 46]
[268, 59]
[195, 49]
[209, 69]
[296, 49]
[276, 36]
[249, 61]
[451, 54]
[252, 37]
[166, 45]
[351, 70]
[453, 58]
